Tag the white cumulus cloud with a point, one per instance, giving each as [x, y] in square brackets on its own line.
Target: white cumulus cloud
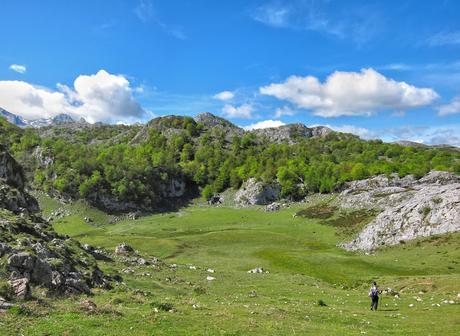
[264, 124]
[452, 108]
[350, 93]
[243, 111]
[99, 97]
[224, 95]
[284, 111]
[18, 68]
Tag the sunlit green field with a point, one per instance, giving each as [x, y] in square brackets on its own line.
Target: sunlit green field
[303, 263]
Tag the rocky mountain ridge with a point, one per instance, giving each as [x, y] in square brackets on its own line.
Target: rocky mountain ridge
[37, 123]
[173, 125]
[290, 133]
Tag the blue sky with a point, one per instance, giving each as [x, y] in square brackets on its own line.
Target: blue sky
[386, 69]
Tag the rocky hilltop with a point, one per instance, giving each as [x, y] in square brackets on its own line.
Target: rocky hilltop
[292, 132]
[31, 252]
[210, 120]
[174, 125]
[410, 208]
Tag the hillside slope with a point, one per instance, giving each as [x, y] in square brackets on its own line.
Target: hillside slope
[170, 159]
[31, 252]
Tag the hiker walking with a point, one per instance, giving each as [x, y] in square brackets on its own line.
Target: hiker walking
[374, 295]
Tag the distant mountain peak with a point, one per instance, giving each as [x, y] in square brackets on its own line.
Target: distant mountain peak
[42, 122]
[62, 118]
[13, 118]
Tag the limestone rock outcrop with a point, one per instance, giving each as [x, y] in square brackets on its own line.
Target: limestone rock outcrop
[254, 192]
[292, 133]
[410, 209]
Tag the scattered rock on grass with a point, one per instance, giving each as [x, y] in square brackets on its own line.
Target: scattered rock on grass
[275, 206]
[4, 306]
[124, 248]
[391, 291]
[88, 306]
[258, 270]
[216, 199]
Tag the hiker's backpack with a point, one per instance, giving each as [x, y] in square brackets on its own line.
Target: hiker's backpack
[374, 292]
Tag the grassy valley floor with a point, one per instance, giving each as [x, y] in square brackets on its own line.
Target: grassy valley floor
[312, 287]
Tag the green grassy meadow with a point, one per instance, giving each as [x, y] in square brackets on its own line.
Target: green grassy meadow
[303, 263]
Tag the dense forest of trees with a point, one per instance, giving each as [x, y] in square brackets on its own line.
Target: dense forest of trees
[203, 157]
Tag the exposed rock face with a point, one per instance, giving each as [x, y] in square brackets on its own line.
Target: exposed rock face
[320, 131]
[173, 188]
[291, 133]
[43, 159]
[112, 204]
[21, 288]
[10, 170]
[210, 120]
[411, 209]
[377, 192]
[253, 192]
[439, 178]
[15, 200]
[52, 261]
[215, 123]
[34, 253]
[12, 182]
